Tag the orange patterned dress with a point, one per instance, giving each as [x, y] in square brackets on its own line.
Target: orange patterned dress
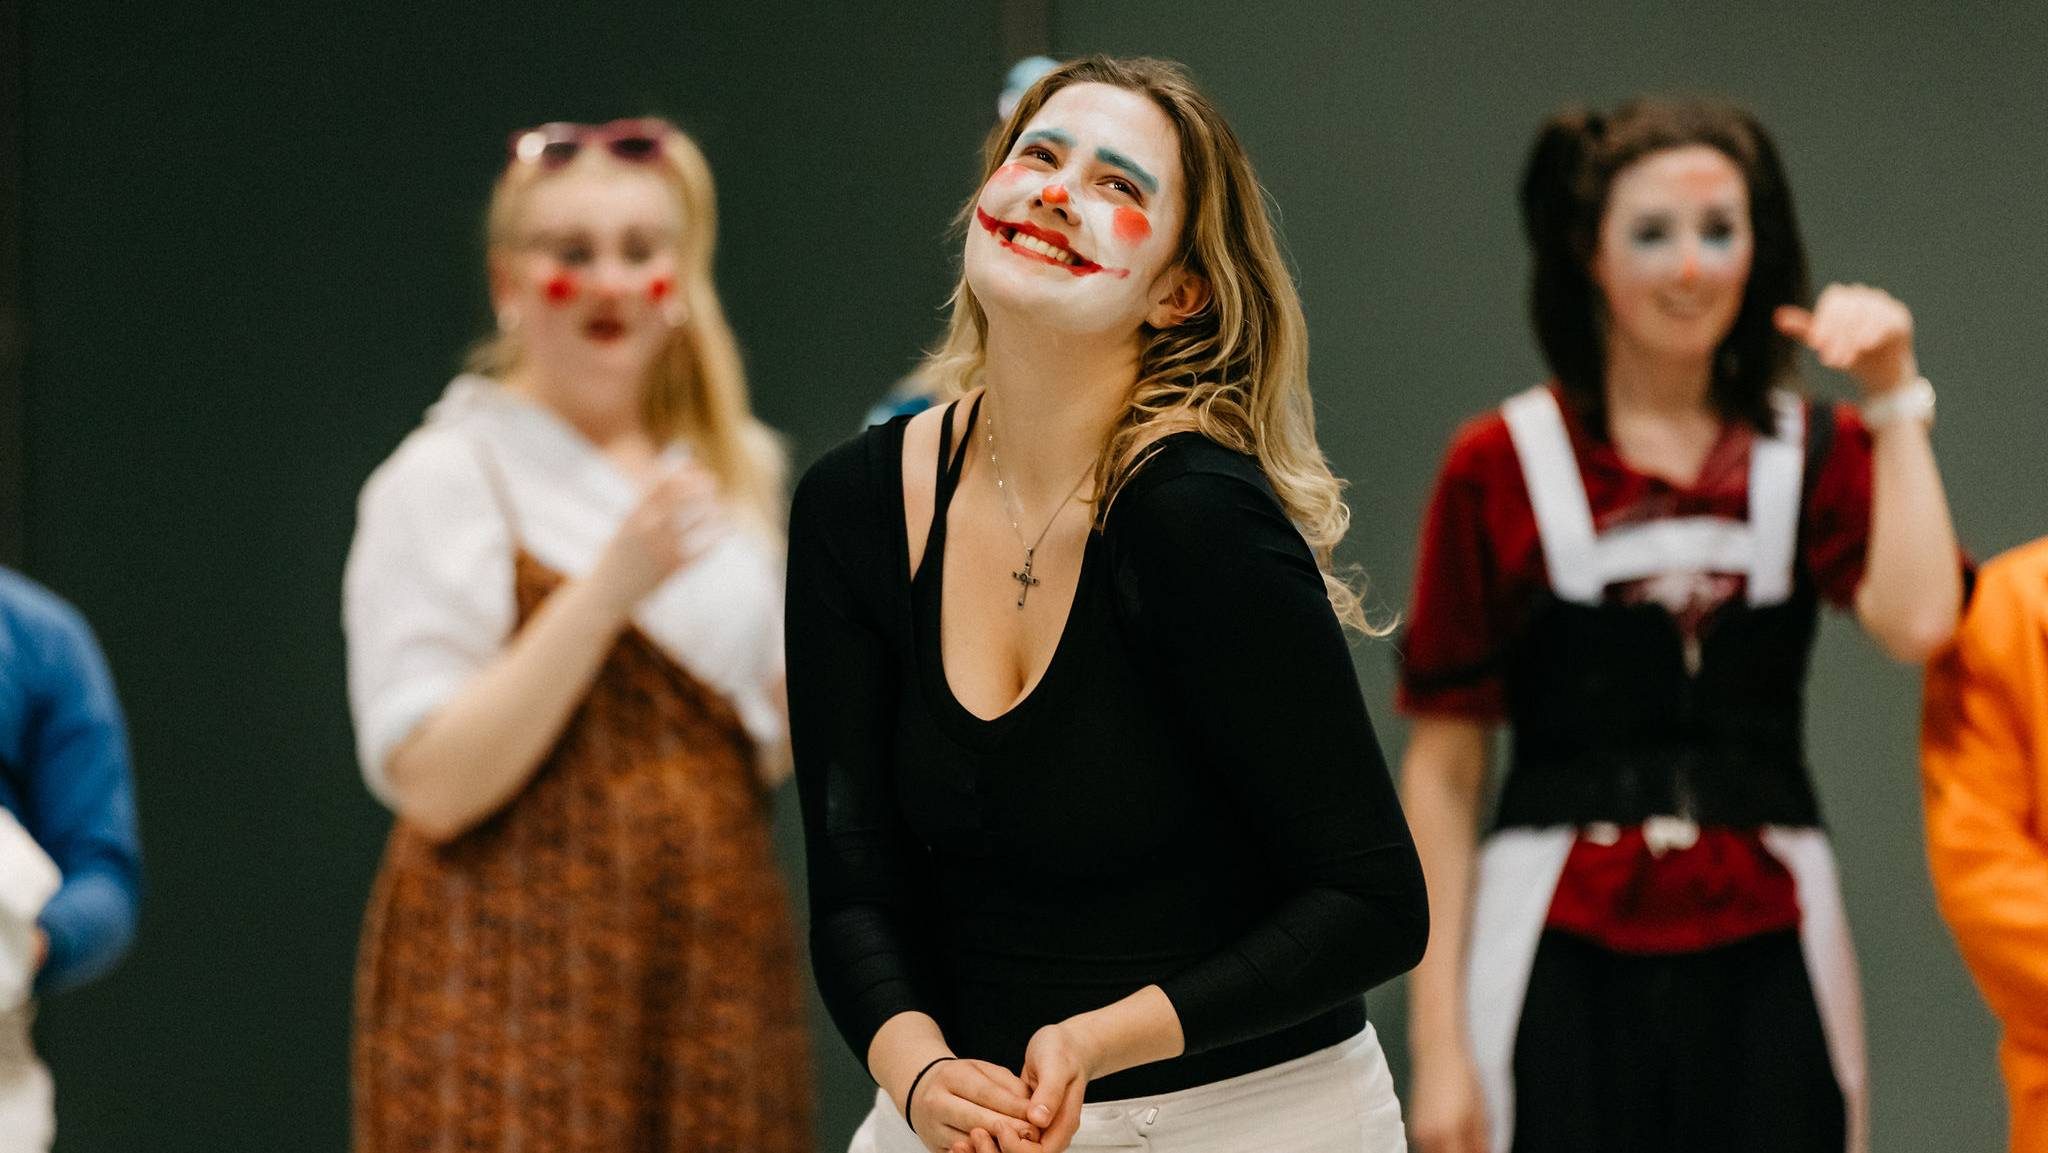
[608, 962]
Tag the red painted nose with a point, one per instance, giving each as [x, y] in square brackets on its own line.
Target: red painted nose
[1054, 194]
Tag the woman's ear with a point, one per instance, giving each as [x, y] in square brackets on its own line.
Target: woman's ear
[1188, 296]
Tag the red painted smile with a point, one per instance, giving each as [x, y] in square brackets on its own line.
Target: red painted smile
[1041, 244]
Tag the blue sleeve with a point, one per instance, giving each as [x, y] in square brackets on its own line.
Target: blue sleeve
[80, 806]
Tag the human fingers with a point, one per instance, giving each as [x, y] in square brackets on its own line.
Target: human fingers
[1833, 317]
[687, 516]
[1001, 1076]
[994, 1087]
[1005, 1143]
[946, 1108]
[1886, 319]
[671, 481]
[1865, 332]
[1068, 1122]
[1046, 1095]
[1832, 310]
[704, 535]
[1793, 321]
[1872, 321]
[696, 481]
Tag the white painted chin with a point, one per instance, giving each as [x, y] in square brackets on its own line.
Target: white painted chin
[1030, 293]
[1000, 275]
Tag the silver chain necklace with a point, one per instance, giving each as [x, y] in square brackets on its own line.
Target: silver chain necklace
[1024, 578]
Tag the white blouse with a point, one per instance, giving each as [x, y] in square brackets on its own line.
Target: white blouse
[427, 596]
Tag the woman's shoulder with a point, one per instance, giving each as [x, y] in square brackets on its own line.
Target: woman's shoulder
[1190, 493]
[842, 491]
[1481, 444]
[1181, 469]
[33, 617]
[444, 448]
[432, 463]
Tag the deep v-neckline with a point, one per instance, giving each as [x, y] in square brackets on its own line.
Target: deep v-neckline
[927, 596]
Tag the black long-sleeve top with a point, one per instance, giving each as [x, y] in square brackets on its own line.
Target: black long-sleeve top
[1192, 796]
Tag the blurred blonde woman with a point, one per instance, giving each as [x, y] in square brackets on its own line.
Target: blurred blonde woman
[1103, 851]
[565, 668]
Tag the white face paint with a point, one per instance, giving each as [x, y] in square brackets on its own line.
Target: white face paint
[1077, 228]
[1675, 250]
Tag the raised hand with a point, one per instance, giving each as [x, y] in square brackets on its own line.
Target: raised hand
[677, 521]
[1857, 329]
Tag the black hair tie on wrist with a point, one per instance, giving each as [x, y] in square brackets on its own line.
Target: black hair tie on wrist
[912, 1095]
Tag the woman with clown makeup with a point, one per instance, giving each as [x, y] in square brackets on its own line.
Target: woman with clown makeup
[565, 667]
[1625, 567]
[1102, 849]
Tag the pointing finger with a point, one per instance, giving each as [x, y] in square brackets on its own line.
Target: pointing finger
[1793, 321]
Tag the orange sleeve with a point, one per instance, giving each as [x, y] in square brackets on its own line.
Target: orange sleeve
[1984, 757]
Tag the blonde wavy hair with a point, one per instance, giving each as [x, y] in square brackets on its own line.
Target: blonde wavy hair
[696, 389]
[1237, 370]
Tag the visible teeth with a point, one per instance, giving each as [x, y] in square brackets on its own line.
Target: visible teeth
[1042, 247]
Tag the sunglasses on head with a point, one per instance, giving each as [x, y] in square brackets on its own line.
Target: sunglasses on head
[553, 145]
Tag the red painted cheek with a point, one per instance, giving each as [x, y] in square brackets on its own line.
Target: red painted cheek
[1131, 225]
[560, 288]
[659, 288]
[1009, 171]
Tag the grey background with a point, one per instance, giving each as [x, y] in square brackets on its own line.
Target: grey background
[251, 257]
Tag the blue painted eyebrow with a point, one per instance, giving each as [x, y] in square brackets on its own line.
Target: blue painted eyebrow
[1053, 134]
[1112, 156]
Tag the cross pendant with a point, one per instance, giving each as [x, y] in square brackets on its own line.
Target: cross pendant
[1024, 579]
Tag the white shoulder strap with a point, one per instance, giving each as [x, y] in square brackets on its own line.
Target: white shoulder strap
[1564, 520]
[1777, 469]
[1581, 563]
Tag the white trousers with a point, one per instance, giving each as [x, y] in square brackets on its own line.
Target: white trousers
[1334, 1100]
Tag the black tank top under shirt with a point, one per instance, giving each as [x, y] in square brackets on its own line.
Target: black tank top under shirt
[1191, 795]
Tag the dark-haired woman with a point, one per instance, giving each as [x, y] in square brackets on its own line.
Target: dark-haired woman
[1625, 568]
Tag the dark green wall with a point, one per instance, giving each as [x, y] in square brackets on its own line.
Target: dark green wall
[252, 259]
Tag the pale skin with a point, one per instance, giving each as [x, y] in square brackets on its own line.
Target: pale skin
[1062, 353]
[609, 233]
[1672, 260]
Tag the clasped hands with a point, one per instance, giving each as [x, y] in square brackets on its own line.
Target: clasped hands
[963, 1105]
